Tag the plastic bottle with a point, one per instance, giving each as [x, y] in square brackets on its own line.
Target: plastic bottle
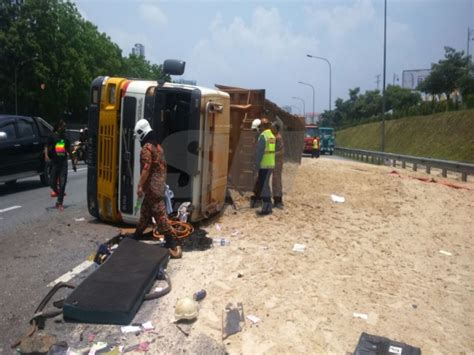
[199, 295]
[220, 242]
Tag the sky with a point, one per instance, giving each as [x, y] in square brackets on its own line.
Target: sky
[263, 44]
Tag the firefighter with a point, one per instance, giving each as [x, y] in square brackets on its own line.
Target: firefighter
[151, 187]
[277, 188]
[316, 148]
[265, 163]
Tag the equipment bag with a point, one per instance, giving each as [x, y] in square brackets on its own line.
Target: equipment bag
[375, 345]
[114, 292]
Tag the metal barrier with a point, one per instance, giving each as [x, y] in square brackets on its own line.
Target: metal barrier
[375, 157]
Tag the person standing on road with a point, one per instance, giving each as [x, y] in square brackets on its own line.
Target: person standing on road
[58, 148]
[265, 163]
[255, 127]
[151, 187]
[277, 187]
[316, 148]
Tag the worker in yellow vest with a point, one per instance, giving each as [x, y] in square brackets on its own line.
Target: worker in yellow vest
[316, 148]
[265, 163]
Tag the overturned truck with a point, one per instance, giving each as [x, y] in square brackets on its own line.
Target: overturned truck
[205, 134]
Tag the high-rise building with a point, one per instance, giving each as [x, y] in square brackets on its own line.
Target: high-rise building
[139, 50]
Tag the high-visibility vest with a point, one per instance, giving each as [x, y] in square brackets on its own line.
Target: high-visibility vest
[268, 159]
[316, 144]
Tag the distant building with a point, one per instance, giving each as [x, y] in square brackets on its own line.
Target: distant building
[139, 50]
[412, 78]
[184, 81]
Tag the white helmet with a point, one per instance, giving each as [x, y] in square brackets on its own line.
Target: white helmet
[256, 123]
[186, 308]
[142, 128]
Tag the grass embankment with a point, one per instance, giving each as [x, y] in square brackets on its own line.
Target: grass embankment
[447, 135]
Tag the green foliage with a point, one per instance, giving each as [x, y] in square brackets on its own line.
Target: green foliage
[449, 74]
[56, 54]
[367, 107]
[446, 135]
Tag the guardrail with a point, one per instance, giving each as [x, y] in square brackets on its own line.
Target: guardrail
[375, 157]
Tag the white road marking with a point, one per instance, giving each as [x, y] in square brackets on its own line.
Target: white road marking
[9, 209]
[70, 274]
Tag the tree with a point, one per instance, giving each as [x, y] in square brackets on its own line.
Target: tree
[398, 98]
[448, 74]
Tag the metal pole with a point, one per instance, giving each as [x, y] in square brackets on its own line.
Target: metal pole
[304, 105]
[312, 87]
[16, 90]
[468, 39]
[384, 72]
[330, 76]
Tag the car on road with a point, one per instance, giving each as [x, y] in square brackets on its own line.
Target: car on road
[22, 141]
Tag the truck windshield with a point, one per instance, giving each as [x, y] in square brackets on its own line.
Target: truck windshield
[312, 132]
[327, 131]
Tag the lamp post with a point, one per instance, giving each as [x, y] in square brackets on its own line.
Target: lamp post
[17, 67]
[330, 76]
[384, 72]
[312, 87]
[299, 110]
[304, 106]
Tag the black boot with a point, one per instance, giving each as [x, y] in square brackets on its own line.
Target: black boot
[278, 203]
[255, 201]
[266, 209]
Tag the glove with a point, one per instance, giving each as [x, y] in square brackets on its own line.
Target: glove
[74, 168]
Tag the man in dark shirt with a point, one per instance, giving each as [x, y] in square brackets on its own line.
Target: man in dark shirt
[56, 153]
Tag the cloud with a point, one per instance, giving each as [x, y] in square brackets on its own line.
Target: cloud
[152, 14]
[261, 52]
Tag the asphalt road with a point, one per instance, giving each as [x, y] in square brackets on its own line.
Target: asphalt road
[39, 244]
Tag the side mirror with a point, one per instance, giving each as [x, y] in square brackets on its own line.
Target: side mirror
[173, 67]
[3, 136]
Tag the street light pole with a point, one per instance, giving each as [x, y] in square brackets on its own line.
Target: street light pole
[299, 110]
[312, 87]
[384, 72]
[17, 67]
[330, 76]
[304, 106]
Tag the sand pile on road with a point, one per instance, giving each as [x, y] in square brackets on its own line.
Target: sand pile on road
[378, 254]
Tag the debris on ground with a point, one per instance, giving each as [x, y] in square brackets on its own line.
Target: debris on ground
[338, 199]
[232, 319]
[300, 248]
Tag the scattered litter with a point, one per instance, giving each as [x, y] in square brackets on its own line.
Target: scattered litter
[337, 198]
[445, 252]
[61, 348]
[232, 319]
[82, 219]
[253, 319]
[414, 306]
[199, 295]
[235, 233]
[360, 315]
[131, 329]
[218, 227]
[96, 347]
[144, 346]
[90, 338]
[240, 274]
[299, 247]
[148, 326]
